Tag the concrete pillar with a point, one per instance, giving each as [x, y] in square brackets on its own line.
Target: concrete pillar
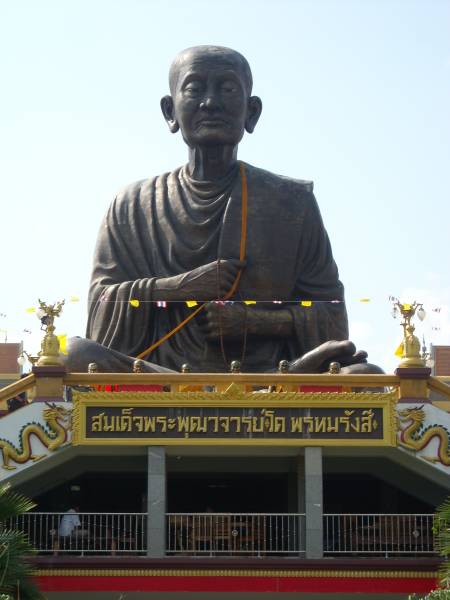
[314, 502]
[301, 502]
[156, 501]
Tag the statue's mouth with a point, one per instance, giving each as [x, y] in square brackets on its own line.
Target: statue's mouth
[211, 123]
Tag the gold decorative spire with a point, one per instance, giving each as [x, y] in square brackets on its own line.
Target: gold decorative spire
[49, 353]
[411, 356]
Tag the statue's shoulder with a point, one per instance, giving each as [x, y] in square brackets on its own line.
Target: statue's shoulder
[133, 192]
[135, 195]
[282, 184]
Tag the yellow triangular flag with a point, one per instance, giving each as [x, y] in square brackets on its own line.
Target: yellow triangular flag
[74, 299]
[62, 339]
[134, 303]
[191, 303]
[364, 299]
[249, 301]
[30, 310]
[305, 303]
[399, 351]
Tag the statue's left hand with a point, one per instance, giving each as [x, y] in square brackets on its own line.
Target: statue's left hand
[223, 320]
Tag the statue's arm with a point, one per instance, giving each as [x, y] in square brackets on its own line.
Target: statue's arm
[123, 267]
[317, 280]
[204, 283]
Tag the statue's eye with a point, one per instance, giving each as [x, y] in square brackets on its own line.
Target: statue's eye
[193, 88]
[228, 87]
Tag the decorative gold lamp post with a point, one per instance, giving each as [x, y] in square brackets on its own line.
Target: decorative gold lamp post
[49, 353]
[411, 356]
[24, 357]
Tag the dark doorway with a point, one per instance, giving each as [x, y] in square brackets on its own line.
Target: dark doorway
[360, 493]
[194, 492]
[97, 492]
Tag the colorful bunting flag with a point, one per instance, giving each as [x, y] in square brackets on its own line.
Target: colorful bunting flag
[135, 303]
[62, 343]
[191, 303]
[161, 304]
[248, 302]
[32, 309]
[364, 300]
[74, 299]
[305, 303]
[399, 351]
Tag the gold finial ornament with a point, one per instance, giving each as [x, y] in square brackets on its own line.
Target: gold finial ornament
[49, 353]
[411, 356]
[137, 366]
[283, 366]
[235, 366]
[334, 368]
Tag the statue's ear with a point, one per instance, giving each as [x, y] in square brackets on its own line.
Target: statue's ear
[169, 113]
[254, 109]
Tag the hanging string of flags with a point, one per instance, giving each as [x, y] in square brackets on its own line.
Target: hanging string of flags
[164, 304]
[192, 303]
[135, 303]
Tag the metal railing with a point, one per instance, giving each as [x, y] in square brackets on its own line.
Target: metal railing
[17, 387]
[218, 382]
[176, 382]
[228, 534]
[250, 534]
[84, 533]
[381, 534]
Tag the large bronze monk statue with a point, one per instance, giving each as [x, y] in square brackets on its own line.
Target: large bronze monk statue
[215, 229]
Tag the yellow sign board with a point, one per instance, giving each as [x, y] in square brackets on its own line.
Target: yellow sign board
[235, 417]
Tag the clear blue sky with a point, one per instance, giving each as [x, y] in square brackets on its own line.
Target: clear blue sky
[356, 97]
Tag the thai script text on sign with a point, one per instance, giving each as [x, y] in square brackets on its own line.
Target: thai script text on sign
[221, 423]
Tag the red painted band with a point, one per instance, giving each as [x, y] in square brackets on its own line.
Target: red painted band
[235, 584]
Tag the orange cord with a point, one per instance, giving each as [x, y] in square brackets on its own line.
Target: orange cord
[242, 251]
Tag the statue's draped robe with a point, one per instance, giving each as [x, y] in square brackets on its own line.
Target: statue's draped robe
[172, 224]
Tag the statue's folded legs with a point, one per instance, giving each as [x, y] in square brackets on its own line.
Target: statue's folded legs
[82, 352]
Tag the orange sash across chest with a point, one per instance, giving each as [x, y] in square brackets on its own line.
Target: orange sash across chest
[242, 252]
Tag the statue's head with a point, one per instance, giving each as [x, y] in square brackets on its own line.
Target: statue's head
[211, 99]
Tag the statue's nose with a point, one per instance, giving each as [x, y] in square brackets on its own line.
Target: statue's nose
[209, 102]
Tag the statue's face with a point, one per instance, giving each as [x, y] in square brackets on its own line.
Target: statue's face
[210, 100]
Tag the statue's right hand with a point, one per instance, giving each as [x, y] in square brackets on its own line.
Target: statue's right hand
[208, 282]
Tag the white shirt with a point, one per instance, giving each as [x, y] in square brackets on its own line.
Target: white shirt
[69, 522]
